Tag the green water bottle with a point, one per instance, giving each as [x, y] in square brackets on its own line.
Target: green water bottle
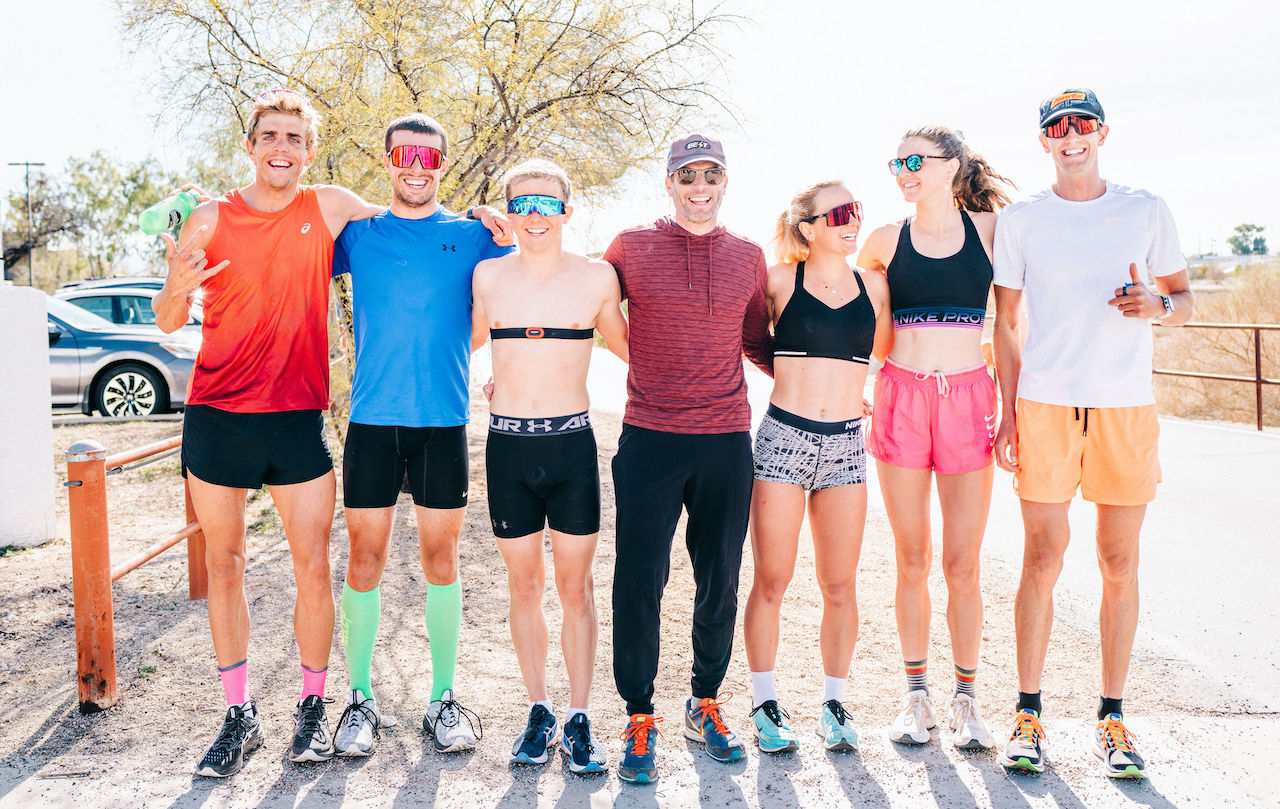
[168, 213]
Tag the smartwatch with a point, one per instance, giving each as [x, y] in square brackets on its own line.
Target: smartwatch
[1168, 307]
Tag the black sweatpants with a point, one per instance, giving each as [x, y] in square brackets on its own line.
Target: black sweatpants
[654, 475]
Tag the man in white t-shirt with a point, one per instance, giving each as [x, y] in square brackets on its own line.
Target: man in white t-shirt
[1078, 405]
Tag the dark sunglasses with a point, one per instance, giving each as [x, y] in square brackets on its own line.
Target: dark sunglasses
[402, 157]
[712, 176]
[912, 162]
[526, 204]
[1083, 125]
[840, 215]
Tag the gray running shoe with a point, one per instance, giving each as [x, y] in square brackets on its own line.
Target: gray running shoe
[359, 725]
[452, 727]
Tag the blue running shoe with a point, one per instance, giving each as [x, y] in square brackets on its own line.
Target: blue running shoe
[539, 737]
[581, 748]
[772, 733]
[704, 723]
[639, 763]
[836, 728]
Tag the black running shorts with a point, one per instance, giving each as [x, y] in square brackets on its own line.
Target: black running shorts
[542, 472]
[378, 460]
[247, 450]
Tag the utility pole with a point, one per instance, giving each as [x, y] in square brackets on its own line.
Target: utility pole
[31, 272]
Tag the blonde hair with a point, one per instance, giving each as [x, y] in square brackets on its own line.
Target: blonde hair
[537, 170]
[975, 186]
[289, 102]
[789, 244]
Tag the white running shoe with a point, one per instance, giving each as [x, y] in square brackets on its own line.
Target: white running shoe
[916, 719]
[1113, 743]
[359, 725]
[451, 727]
[968, 729]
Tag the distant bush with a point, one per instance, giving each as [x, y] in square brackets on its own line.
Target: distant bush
[1253, 296]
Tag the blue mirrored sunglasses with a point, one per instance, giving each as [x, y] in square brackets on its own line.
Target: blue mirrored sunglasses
[526, 204]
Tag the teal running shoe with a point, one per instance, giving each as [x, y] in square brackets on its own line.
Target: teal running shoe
[772, 733]
[836, 728]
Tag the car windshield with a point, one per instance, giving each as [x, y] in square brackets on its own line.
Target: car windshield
[75, 316]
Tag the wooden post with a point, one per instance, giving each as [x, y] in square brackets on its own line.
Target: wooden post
[91, 576]
[197, 572]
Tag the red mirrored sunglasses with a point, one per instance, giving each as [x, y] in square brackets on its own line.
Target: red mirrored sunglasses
[402, 157]
[1083, 125]
[839, 215]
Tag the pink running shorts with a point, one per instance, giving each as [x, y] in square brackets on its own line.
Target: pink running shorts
[930, 420]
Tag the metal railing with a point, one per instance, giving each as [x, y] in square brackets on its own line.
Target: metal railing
[91, 571]
[1257, 379]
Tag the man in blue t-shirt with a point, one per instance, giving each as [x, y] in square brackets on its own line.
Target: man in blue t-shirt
[411, 270]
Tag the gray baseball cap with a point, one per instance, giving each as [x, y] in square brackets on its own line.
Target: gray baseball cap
[693, 148]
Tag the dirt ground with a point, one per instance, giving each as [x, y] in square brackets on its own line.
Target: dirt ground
[141, 752]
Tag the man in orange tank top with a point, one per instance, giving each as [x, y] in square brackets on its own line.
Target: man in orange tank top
[254, 415]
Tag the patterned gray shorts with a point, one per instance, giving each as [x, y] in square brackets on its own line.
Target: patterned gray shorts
[810, 454]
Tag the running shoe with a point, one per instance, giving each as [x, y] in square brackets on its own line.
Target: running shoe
[772, 733]
[836, 728]
[915, 720]
[581, 748]
[1025, 750]
[533, 746]
[639, 763]
[704, 723]
[241, 734]
[451, 727]
[1113, 743]
[968, 729]
[359, 725]
[311, 739]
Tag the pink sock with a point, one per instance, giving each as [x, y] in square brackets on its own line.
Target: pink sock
[313, 682]
[235, 682]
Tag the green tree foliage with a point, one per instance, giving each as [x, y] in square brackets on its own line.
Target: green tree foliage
[1248, 241]
[598, 86]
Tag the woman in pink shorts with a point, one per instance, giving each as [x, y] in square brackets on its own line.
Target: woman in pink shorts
[935, 409]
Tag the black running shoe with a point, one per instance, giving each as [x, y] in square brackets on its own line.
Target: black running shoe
[241, 733]
[311, 739]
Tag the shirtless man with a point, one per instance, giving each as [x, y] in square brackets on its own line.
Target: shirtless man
[540, 306]
[254, 414]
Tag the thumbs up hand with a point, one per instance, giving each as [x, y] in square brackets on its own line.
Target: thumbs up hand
[1134, 299]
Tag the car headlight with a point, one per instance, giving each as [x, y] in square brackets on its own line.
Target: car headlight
[183, 351]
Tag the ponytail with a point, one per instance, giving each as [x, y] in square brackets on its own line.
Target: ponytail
[975, 187]
[789, 244]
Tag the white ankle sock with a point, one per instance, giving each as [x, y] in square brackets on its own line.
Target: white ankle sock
[574, 712]
[762, 688]
[833, 688]
[546, 703]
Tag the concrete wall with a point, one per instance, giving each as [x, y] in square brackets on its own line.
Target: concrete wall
[27, 483]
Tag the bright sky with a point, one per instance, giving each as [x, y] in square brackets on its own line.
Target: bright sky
[825, 90]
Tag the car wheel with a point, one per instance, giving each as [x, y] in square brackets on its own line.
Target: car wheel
[130, 389]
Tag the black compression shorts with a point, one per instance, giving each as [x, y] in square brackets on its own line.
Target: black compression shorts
[542, 472]
[378, 459]
[247, 450]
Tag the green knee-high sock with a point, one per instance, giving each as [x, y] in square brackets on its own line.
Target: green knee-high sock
[444, 621]
[361, 613]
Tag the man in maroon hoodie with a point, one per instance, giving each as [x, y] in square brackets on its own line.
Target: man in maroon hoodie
[696, 302]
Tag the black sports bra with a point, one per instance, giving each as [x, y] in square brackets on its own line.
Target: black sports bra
[949, 291]
[809, 328]
[540, 332]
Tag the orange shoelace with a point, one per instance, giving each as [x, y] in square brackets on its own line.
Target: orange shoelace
[1028, 728]
[711, 712]
[637, 733]
[1116, 736]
